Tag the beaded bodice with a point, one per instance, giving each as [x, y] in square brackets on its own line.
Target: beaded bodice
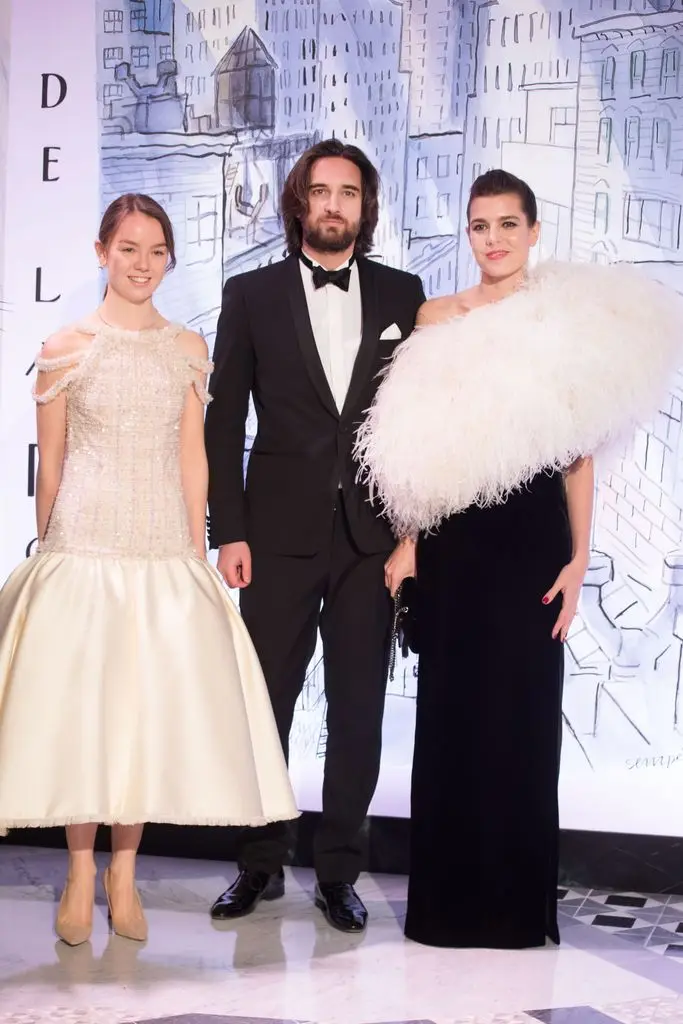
[121, 491]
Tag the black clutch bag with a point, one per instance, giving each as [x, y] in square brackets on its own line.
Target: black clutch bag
[404, 633]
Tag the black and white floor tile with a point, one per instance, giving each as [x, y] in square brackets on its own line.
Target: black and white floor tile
[652, 922]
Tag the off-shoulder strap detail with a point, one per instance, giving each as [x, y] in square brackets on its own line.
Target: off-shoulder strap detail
[71, 362]
[201, 365]
[201, 369]
[59, 362]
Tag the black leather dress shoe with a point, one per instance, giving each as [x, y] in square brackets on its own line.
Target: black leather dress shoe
[341, 905]
[246, 892]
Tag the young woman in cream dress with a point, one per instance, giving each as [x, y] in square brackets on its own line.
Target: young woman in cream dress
[129, 688]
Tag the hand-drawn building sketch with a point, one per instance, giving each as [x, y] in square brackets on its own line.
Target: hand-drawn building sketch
[627, 201]
[206, 106]
[522, 113]
[364, 99]
[133, 39]
[627, 206]
[438, 51]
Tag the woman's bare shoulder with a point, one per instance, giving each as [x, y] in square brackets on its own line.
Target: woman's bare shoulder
[65, 342]
[193, 344]
[445, 307]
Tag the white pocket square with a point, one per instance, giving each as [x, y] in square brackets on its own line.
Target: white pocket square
[392, 333]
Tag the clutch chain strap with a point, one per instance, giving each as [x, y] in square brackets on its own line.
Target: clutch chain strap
[399, 609]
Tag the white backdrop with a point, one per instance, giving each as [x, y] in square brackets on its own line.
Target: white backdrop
[206, 106]
[48, 225]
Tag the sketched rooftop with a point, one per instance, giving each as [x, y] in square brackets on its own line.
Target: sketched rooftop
[246, 52]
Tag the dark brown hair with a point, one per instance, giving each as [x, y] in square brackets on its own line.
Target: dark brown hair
[135, 202]
[294, 201]
[498, 182]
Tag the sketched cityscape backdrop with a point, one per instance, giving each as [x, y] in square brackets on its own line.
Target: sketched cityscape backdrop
[206, 106]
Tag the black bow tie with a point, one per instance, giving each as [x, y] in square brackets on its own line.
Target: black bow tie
[321, 277]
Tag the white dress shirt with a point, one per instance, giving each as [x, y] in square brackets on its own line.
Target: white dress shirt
[337, 321]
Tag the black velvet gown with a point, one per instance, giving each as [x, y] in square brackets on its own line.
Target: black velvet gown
[484, 828]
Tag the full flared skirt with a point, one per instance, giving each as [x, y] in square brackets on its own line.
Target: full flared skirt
[130, 692]
[484, 828]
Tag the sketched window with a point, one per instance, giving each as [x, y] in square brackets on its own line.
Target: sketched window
[112, 91]
[165, 53]
[138, 20]
[652, 221]
[201, 18]
[670, 226]
[562, 126]
[422, 167]
[609, 73]
[112, 55]
[139, 56]
[443, 205]
[601, 212]
[631, 139]
[113, 21]
[421, 207]
[637, 70]
[189, 85]
[605, 138]
[670, 71]
[201, 216]
[599, 255]
[661, 143]
[633, 217]
[443, 166]
[189, 22]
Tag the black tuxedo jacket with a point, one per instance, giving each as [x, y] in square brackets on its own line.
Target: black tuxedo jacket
[302, 450]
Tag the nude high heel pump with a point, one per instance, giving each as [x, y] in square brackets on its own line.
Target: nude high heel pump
[72, 928]
[129, 926]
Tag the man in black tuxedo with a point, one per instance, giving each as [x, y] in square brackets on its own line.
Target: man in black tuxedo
[307, 337]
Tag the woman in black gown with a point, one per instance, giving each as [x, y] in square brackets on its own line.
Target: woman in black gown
[499, 567]
[487, 740]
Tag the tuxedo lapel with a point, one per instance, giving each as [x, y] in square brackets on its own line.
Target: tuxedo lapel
[304, 333]
[362, 367]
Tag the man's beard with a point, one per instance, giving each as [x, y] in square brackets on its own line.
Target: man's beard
[324, 241]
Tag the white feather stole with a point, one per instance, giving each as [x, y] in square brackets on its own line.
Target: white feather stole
[471, 409]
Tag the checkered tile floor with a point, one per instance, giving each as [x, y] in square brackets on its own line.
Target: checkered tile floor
[652, 922]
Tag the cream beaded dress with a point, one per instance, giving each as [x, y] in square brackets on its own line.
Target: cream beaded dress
[129, 687]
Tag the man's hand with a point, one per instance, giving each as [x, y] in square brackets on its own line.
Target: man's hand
[401, 563]
[234, 564]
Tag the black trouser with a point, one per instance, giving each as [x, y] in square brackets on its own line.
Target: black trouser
[341, 591]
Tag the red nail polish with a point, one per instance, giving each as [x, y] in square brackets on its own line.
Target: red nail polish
[546, 600]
